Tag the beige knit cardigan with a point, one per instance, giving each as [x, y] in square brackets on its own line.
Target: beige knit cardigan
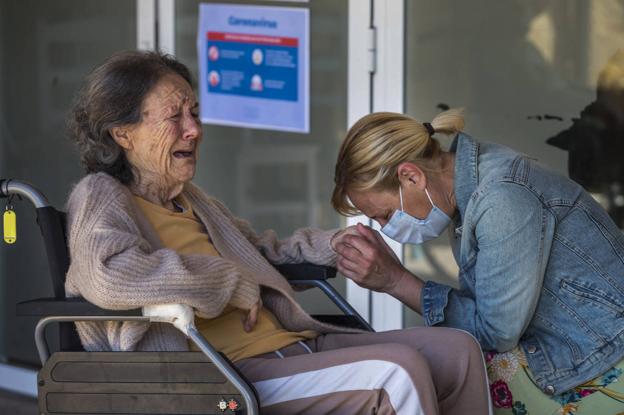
[119, 263]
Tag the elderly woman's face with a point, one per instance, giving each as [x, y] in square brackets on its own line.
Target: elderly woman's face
[163, 145]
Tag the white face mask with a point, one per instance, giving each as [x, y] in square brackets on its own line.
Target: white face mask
[404, 228]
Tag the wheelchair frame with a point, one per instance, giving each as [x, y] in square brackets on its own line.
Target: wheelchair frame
[66, 311]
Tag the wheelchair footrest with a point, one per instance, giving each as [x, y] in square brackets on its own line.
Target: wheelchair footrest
[135, 383]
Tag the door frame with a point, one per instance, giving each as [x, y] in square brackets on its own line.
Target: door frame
[376, 83]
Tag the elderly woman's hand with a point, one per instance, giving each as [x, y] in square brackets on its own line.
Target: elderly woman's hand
[340, 235]
[366, 259]
[252, 317]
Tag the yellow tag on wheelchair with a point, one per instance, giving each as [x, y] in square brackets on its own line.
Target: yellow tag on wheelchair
[9, 221]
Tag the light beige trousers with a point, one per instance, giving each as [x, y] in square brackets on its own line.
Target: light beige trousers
[414, 371]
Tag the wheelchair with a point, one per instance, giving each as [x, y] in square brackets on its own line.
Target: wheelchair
[73, 381]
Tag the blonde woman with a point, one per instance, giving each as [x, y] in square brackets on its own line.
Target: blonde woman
[541, 263]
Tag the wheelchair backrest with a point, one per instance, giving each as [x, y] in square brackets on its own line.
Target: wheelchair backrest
[52, 224]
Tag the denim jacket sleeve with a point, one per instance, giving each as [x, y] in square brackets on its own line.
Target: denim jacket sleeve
[502, 270]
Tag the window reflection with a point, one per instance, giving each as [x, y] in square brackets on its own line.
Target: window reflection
[595, 141]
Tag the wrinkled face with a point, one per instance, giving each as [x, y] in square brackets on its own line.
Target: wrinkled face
[164, 144]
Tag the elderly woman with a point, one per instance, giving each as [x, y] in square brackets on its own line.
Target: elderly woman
[140, 233]
[541, 264]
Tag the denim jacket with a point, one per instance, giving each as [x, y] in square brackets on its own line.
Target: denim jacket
[541, 265]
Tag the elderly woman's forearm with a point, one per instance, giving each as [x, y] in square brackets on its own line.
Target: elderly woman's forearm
[132, 278]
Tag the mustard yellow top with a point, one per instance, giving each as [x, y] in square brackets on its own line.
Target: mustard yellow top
[184, 233]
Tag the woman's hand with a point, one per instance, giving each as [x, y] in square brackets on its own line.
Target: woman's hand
[252, 317]
[366, 259]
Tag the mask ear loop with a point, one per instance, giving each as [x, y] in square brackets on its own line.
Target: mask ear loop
[429, 197]
[401, 197]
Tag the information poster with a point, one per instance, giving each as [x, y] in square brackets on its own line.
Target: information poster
[254, 66]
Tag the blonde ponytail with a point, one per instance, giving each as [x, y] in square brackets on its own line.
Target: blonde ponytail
[449, 122]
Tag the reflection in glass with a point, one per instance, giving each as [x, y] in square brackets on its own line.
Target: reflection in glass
[595, 141]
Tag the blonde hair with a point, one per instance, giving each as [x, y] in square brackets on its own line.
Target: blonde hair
[375, 146]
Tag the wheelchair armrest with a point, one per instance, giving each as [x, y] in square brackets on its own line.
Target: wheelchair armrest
[306, 271]
[74, 306]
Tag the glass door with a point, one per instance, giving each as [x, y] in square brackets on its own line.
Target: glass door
[537, 76]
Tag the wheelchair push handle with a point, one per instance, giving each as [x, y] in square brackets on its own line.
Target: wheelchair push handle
[181, 316]
[10, 187]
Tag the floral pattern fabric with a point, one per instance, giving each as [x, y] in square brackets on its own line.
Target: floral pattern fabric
[513, 392]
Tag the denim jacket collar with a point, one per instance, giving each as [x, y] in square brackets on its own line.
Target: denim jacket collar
[466, 176]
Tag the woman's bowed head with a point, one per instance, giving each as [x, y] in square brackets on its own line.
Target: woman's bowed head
[392, 170]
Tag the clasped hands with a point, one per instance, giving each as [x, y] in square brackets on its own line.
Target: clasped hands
[365, 258]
